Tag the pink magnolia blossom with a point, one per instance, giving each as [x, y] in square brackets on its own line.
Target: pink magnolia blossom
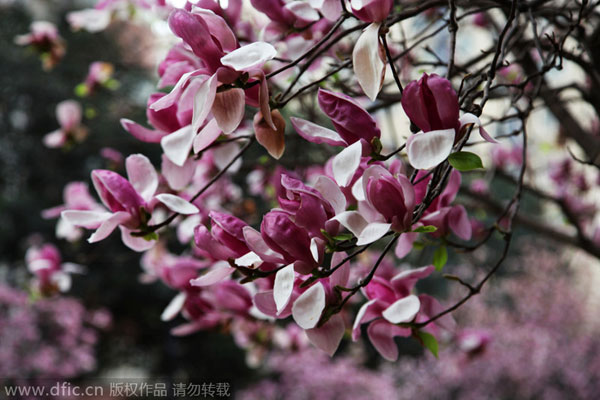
[130, 203]
[432, 105]
[51, 274]
[390, 303]
[99, 74]
[68, 114]
[76, 196]
[44, 38]
[219, 61]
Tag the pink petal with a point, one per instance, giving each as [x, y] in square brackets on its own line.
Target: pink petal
[178, 177]
[250, 56]
[178, 144]
[372, 232]
[458, 221]
[308, 307]
[315, 133]
[55, 139]
[135, 243]
[366, 60]
[207, 135]
[332, 193]
[142, 175]
[141, 133]
[271, 139]
[328, 336]
[346, 163]
[405, 244]
[469, 118]
[283, 286]
[218, 273]
[257, 244]
[108, 226]
[428, 149]
[68, 114]
[342, 274]
[403, 310]
[177, 204]
[365, 314]
[228, 109]
[381, 334]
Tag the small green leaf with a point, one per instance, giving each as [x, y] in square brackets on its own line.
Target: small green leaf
[426, 229]
[151, 236]
[81, 90]
[440, 257]
[429, 341]
[465, 161]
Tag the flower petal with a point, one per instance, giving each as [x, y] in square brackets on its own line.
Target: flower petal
[315, 133]
[178, 144]
[346, 163]
[308, 307]
[220, 271]
[141, 133]
[469, 118]
[332, 193]
[228, 109]
[142, 175]
[207, 135]
[403, 310]
[428, 149]
[328, 336]
[175, 305]
[373, 232]
[250, 56]
[108, 226]
[366, 60]
[283, 286]
[84, 218]
[177, 204]
[203, 101]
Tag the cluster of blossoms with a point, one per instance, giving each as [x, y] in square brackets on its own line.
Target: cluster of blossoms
[297, 263]
[51, 338]
[300, 259]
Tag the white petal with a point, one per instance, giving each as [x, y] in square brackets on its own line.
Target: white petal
[303, 11]
[346, 163]
[178, 177]
[283, 286]
[250, 56]
[135, 243]
[175, 305]
[332, 193]
[314, 249]
[316, 133]
[142, 175]
[84, 218]
[219, 272]
[329, 336]
[178, 144]
[403, 310]
[361, 313]
[249, 260]
[307, 308]
[353, 221]
[373, 232]
[428, 149]
[367, 63]
[177, 204]
[203, 101]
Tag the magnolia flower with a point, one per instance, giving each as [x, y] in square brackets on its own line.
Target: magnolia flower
[390, 303]
[76, 196]
[222, 63]
[99, 74]
[51, 274]
[130, 203]
[432, 105]
[44, 38]
[306, 304]
[68, 114]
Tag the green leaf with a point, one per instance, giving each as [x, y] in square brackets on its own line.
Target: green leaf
[426, 229]
[429, 341]
[343, 236]
[465, 161]
[440, 257]
[151, 236]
